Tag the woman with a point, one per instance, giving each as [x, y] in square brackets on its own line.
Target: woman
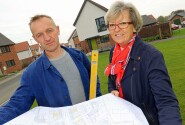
[137, 71]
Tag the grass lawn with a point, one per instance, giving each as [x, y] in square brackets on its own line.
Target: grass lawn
[173, 51]
[179, 32]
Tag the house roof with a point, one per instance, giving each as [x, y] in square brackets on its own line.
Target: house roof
[148, 20]
[73, 34]
[23, 46]
[151, 16]
[182, 14]
[94, 3]
[5, 41]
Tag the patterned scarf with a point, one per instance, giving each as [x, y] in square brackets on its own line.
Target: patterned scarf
[119, 62]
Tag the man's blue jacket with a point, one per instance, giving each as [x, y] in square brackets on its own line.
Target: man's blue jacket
[146, 83]
[41, 81]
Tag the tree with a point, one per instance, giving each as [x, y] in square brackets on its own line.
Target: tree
[162, 19]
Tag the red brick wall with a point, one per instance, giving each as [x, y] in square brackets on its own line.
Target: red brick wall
[77, 43]
[10, 56]
[85, 46]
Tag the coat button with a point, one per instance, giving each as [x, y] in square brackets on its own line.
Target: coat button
[138, 58]
[65, 96]
[134, 69]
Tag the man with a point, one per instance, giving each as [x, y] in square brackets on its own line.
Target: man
[60, 77]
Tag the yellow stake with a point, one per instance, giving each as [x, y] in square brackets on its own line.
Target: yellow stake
[93, 78]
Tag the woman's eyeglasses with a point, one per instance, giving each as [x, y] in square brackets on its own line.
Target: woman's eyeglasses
[121, 25]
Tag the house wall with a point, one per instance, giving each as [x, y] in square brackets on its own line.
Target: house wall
[85, 46]
[10, 56]
[86, 25]
[38, 51]
[24, 54]
[26, 62]
[81, 45]
[71, 43]
[175, 18]
[77, 43]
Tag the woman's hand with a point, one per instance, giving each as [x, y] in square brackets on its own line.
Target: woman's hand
[115, 92]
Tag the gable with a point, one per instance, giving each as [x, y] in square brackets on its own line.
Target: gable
[148, 20]
[73, 34]
[86, 26]
[83, 6]
[4, 41]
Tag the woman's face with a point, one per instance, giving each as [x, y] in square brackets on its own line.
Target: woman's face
[121, 28]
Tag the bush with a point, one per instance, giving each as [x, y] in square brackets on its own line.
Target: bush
[149, 39]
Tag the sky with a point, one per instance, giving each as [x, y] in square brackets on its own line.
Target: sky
[15, 14]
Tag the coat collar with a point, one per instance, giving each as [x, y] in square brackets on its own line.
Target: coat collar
[45, 61]
[137, 49]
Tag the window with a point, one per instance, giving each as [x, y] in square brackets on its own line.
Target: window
[5, 49]
[10, 63]
[177, 21]
[104, 38]
[100, 23]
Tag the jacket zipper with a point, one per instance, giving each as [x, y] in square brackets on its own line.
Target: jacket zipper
[148, 113]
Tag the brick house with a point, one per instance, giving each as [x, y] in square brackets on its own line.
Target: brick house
[24, 53]
[74, 42]
[9, 61]
[177, 18]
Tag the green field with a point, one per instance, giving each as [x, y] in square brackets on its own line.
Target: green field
[173, 51]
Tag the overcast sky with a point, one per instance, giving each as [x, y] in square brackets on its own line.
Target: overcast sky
[15, 14]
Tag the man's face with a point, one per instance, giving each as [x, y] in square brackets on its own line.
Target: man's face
[46, 33]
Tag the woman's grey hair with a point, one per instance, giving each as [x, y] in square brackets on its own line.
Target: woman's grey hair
[116, 10]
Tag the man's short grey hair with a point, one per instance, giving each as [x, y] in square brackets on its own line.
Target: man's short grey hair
[39, 16]
[116, 10]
